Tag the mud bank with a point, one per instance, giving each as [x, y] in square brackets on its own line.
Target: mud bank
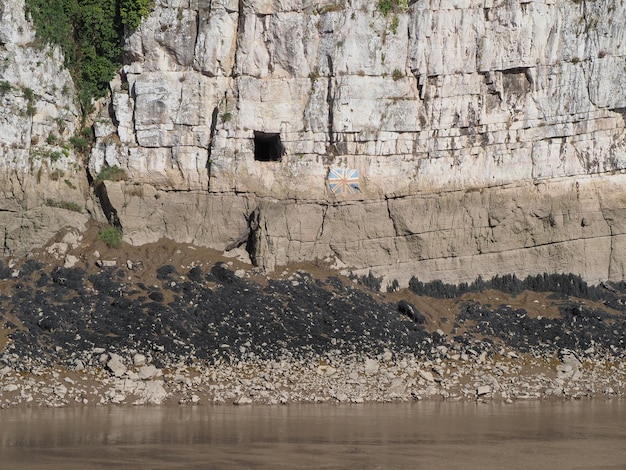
[83, 324]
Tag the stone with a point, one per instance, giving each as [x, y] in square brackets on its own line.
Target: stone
[564, 371]
[147, 372]
[115, 365]
[397, 388]
[426, 375]
[371, 367]
[70, 261]
[72, 238]
[139, 360]
[387, 355]
[243, 400]
[150, 392]
[106, 263]
[483, 390]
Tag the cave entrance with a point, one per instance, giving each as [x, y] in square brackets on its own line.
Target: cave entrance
[268, 147]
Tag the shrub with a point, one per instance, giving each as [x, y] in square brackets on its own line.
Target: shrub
[330, 8]
[370, 281]
[112, 236]
[133, 11]
[387, 6]
[566, 284]
[29, 94]
[79, 143]
[315, 74]
[5, 87]
[395, 22]
[31, 104]
[90, 33]
[111, 173]
[397, 74]
[394, 286]
[67, 205]
[61, 125]
[56, 175]
[134, 190]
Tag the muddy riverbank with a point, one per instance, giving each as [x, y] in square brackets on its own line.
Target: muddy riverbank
[84, 324]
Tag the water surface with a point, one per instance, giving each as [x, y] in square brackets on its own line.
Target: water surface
[573, 434]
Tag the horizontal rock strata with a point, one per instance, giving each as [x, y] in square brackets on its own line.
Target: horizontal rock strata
[488, 137]
[553, 226]
[484, 137]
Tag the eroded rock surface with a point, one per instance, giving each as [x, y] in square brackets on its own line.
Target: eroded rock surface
[488, 136]
[42, 181]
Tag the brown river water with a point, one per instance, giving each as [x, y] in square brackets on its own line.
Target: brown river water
[542, 435]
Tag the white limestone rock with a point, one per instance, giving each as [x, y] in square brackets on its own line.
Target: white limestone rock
[139, 360]
[488, 137]
[70, 261]
[150, 392]
[149, 372]
[116, 365]
[426, 375]
[371, 367]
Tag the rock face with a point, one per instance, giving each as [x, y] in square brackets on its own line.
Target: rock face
[42, 183]
[484, 137]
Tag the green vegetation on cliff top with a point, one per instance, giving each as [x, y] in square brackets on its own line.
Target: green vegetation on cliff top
[90, 33]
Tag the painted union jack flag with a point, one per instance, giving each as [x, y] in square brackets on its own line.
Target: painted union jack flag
[344, 181]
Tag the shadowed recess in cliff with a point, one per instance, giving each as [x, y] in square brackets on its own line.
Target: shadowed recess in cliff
[268, 147]
[110, 212]
[214, 115]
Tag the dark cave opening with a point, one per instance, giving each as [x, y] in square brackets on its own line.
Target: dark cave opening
[268, 147]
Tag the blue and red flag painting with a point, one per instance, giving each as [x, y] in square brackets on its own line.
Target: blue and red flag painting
[344, 181]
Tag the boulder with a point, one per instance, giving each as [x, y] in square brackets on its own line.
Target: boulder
[115, 365]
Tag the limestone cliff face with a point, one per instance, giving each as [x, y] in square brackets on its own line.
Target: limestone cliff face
[42, 181]
[488, 136]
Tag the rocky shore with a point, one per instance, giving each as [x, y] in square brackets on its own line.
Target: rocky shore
[82, 324]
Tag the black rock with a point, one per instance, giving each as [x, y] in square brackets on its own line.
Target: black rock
[409, 310]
